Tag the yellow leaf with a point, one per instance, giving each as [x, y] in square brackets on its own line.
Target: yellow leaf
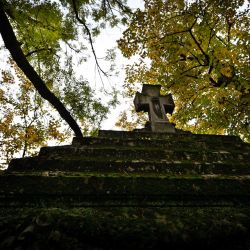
[226, 71]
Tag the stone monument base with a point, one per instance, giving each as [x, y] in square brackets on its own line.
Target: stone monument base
[129, 190]
[162, 127]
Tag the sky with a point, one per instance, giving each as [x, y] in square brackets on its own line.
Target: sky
[107, 40]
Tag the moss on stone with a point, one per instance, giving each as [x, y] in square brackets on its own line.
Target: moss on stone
[129, 190]
[125, 228]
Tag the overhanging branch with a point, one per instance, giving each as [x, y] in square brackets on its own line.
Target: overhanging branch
[198, 44]
[17, 54]
[37, 51]
[89, 36]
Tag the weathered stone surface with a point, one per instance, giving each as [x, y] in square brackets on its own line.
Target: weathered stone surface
[157, 106]
[114, 151]
[76, 190]
[126, 228]
[157, 190]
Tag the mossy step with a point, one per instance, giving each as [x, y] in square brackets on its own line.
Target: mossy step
[196, 228]
[145, 154]
[125, 186]
[166, 136]
[48, 173]
[175, 142]
[127, 166]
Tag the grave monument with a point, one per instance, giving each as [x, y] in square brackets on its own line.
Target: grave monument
[157, 106]
[153, 188]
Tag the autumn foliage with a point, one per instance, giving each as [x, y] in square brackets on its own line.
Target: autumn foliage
[27, 123]
[199, 51]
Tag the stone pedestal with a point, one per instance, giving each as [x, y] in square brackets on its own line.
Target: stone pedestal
[162, 127]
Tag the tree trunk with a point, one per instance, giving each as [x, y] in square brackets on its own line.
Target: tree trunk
[16, 52]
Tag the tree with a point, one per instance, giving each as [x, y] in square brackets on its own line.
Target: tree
[198, 50]
[27, 122]
[48, 41]
[23, 126]
[43, 29]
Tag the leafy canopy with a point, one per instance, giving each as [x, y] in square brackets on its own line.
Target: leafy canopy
[26, 121]
[56, 37]
[198, 50]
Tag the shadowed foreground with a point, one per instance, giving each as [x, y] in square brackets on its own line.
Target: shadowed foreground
[129, 190]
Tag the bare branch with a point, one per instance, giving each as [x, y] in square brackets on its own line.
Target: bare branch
[70, 46]
[89, 36]
[123, 7]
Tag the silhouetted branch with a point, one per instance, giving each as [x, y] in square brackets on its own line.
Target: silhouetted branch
[196, 66]
[89, 36]
[37, 50]
[17, 54]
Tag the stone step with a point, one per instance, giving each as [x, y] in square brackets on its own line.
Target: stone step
[166, 136]
[196, 228]
[127, 166]
[184, 142]
[144, 154]
[121, 190]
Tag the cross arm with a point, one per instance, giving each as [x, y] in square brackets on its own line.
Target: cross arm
[168, 103]
[141, 102]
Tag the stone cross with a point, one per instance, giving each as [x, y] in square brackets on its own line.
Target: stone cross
[157, 106]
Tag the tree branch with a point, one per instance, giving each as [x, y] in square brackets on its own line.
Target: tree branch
[196, 66]
[200, 48]
[16, 52]
[89, 35]
[174, 33]
[36, 51]
[197, 59]
[191, 76]
[198, 44]
[122, 7]
[212, 32]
